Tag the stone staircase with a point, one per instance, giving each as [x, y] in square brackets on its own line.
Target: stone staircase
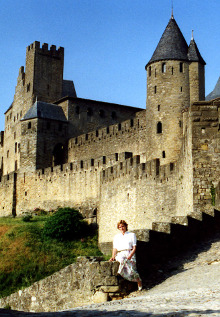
[157, 247]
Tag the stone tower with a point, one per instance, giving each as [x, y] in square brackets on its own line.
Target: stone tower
[175, 78]
[41, 79]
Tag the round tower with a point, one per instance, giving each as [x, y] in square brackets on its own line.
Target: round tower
[168, 93]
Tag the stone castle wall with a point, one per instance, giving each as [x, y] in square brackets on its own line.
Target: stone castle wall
[139, 193]
[87, 281]
[206, 153]
[128, 136]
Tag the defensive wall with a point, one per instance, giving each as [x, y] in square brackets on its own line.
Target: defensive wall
[88, 280]
[206, 153]
[128, 136]
[140, 193]
[85, 115]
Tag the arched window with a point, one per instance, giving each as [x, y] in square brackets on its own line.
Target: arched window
[163, 67]
[159, 127]
[114, 116]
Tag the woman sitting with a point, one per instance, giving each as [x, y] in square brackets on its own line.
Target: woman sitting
[124, 248]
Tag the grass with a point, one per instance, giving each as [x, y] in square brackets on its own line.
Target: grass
[26, 256]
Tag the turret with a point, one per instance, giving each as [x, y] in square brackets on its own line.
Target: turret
[169, 91]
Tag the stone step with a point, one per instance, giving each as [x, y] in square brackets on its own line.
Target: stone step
[180, 220]
[196, 215]
[161, 227]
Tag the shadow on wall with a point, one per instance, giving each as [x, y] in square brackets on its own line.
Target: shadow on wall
[165, 254]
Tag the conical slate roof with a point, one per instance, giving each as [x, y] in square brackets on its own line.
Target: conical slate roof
[45, 110]
[215, 93]
[194, 54]
[172, 44]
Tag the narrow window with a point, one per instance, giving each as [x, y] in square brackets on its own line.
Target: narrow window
[116, 157]
[29, 125]
[81, 164]
[77, 109]
[92, 162]
[155, 89]
[104, 160]
[181, 89]
[155, 73]
[132, 123]
[119, 127]
[8, 154]
[15, 147]
[181, 67]
[158, 107]
[16, 165]
[171, 167]
[114, 116]
[149, 71]
[163, 154]
[28, 87]
[159, 127]
[163, 67]
[107, 130]
[172, 70]
[14, 135]
[97, 133]
[180, 123]
[157, 167]
[76, 140]
[87, 136]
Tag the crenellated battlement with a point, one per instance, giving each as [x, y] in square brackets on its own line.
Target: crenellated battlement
[138, 170]
[44, 49]
[115, 130]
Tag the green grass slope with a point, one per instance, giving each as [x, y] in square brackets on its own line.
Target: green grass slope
[26, 256]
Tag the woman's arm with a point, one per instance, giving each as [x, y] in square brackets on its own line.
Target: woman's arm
[132, 252]
[114, 252]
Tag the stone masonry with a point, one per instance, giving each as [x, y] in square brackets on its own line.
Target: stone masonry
[112, 161]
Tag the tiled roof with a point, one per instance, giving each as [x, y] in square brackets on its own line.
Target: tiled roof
[45, 110]
[172, 44]
[194, 54]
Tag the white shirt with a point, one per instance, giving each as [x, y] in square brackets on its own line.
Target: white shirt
[124, 241]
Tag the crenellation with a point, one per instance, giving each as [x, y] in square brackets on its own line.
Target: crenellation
[110, 161]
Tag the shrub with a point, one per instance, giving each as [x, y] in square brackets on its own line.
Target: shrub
[65, 224]
[27, 218]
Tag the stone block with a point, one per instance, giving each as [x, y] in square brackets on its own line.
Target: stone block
[115, 266]
[100, 297]
[105, 268]
[110, 289]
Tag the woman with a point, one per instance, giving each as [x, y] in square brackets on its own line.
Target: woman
[124, 248]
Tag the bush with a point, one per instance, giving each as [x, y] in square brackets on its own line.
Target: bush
[65, 224]
[27, 218]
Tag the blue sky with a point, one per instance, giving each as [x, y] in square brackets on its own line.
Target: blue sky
[107, 42]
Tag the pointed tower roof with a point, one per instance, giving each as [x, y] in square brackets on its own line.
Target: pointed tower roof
[172, 44]
[193, 52]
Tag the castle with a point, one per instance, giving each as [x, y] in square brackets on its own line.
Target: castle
[110, 161]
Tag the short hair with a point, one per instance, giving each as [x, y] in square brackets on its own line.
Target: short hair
[122, 222]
